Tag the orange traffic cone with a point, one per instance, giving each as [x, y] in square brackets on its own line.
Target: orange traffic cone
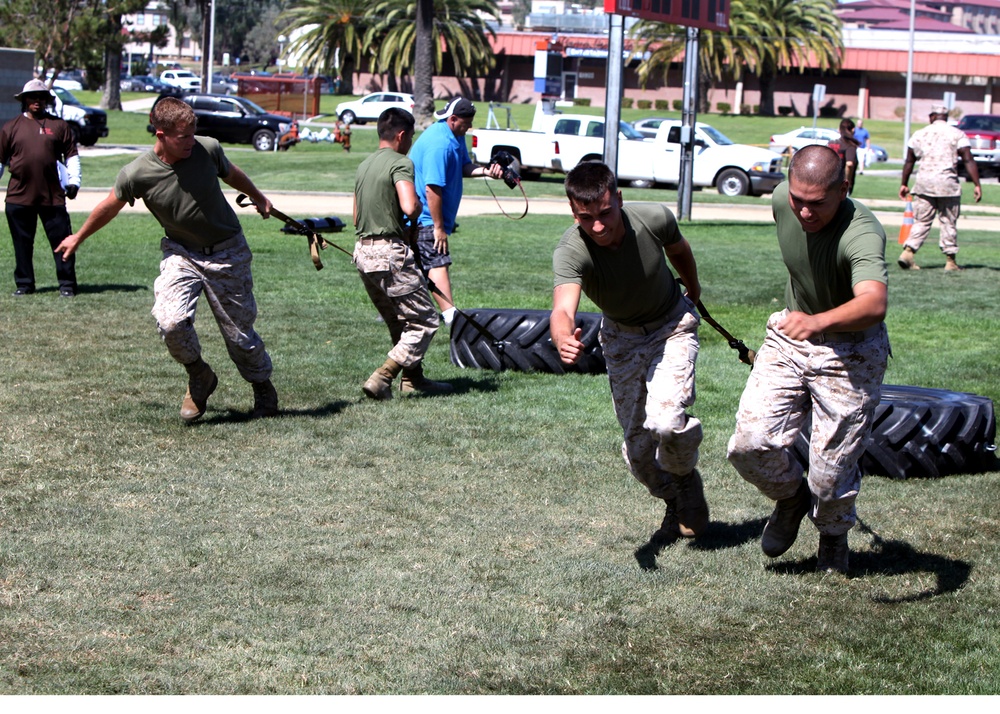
[904, 230]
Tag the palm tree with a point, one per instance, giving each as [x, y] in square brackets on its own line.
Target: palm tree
[408, 42]
[333, 37]
[721, 55]
[795, 31]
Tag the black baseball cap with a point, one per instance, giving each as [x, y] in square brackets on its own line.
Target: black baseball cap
[459, 107]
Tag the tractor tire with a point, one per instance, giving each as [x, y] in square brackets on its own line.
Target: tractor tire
[521, 342]
[925, 433]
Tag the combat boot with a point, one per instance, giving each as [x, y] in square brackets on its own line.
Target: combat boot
[782, 528]
[907, 259]
[379, 385]
[202, 381]
[692, 509]
[950, 263]
[265, 400]
[833, 554]
[414, 381]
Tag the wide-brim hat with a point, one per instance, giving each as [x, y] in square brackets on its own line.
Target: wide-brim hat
[35, 86]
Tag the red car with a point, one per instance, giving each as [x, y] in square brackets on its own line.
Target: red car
[983, 131]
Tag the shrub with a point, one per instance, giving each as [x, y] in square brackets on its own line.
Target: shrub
[644, 104]
[661, 105]
[900, 112]
[785, 111]
[746, 110]
[678, 105]
[581, 101]
[724, 107]
[627, 102]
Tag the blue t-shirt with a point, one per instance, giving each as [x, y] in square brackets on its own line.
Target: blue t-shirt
[861, 135]
[438, 159]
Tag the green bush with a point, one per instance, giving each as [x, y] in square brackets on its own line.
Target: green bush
[581, 101]
[644, 104]
[678, 105]
[746, 110]
[627, 102]
[662, 105]
[723, 107]
[785, 111]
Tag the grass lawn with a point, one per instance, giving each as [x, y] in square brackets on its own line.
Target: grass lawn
[481, 543]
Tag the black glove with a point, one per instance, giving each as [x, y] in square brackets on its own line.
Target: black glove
[71, 191]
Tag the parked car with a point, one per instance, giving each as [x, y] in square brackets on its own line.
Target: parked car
[183, 79]
[87, 123]
[647, 127]
[371, 106]
[806, 135]
[983, 131]
[234, 120]
[142, 83]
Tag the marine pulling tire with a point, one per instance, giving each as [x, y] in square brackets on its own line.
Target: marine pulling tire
[926, 433]
[521, 342]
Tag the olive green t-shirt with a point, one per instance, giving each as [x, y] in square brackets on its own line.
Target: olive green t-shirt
[633, 284]
[185, 197]
[375, 194]
[823, 267]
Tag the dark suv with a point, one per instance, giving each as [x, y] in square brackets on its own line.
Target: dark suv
[983, 131]
[234, 120]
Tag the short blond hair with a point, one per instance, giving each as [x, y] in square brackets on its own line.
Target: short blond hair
[170, 113]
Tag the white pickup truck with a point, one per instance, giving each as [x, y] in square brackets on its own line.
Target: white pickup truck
[558, 142]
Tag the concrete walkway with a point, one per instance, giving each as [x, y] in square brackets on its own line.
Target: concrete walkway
[309, 205]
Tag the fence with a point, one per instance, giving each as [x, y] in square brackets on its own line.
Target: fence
[295, 97]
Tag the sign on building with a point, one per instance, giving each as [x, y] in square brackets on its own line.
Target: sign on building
[705, 14]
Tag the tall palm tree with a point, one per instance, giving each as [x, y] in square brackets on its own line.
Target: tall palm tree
[722, 55]
[408, 43]
[795, 31]
[334, 36]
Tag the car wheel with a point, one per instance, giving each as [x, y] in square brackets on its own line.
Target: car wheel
[733, 182]
[348, 117]
[263, 140]
[521, 342]
[641, 183]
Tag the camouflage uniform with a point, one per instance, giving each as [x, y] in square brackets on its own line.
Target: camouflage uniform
[396, 288]
[652, 386]
[837, 379]
[222, 274]
[937, 191]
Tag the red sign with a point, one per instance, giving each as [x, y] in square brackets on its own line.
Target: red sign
[706, 14]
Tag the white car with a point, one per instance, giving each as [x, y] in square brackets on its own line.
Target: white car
[647, 127]
[806, 135]
[371, 106]
[182, 79]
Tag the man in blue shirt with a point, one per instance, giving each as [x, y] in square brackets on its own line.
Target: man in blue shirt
[864, 140]
[440, 162]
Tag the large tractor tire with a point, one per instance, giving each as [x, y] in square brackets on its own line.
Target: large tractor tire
[520, 341]
[926, 433]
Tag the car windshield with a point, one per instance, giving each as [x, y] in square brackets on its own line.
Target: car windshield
[250, 106]
[65, 97]
[717, 136]
[630, 131]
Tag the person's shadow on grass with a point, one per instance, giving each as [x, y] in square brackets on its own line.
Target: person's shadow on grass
[716, 537]
[892, 558]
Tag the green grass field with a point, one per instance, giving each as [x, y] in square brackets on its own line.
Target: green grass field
[481, 543]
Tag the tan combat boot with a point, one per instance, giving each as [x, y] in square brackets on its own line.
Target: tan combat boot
[201, 383]
[692, 509]
[379, 385]
[950, 263]
[414, 381]
[265, 400]
[907, 259]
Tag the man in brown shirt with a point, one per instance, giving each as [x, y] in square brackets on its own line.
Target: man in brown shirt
[39, 148]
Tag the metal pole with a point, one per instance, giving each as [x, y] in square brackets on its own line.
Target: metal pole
[613, 93]
[909, 79]
[211, 50]
[688, 121]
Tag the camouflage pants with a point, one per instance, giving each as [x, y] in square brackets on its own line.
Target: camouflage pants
[947, 210]
[652, 386]
[834, 381]
[225, 280]
[397, 290]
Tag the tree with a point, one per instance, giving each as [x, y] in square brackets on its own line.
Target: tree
[721, 55]
[764, 37]
[332, 32]
[54, 41]
[796, 31]
[414, 35]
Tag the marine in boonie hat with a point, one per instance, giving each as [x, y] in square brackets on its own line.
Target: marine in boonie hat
[939, 109]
